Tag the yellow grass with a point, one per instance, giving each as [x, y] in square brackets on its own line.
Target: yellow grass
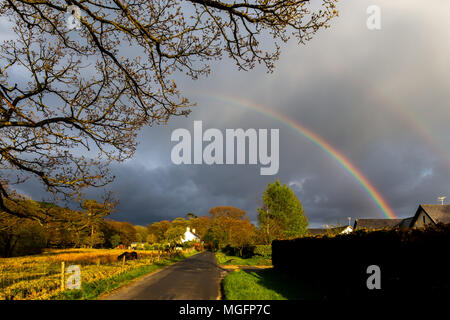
[39, 276]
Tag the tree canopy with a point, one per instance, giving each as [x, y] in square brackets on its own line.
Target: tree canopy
[62, 228]
[282, 215]
[230, 226]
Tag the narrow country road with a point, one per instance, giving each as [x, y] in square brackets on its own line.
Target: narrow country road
[195, 278]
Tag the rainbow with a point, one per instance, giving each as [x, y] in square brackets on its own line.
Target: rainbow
[376, 196]
[414, 121]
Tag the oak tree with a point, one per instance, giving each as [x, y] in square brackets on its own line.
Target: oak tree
[73, 100]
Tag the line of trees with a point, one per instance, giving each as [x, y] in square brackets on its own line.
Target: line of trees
[280, 217]
[62, 228]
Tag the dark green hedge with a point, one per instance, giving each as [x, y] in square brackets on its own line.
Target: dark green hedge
[413, 262]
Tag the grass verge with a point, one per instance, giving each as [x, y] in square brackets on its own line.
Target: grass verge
[224, 259]
[266, 284]
[93, 290]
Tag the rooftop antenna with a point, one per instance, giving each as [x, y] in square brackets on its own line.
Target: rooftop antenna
[441, 200]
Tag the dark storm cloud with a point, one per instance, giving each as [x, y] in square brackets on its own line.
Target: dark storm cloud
[358, 89]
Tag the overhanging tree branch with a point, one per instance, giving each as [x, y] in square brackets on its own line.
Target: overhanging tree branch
[87, 94]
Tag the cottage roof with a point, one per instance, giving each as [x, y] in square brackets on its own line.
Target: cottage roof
[316, 232]
[191, 231]
[406, 223]
[377, 223]
[437, 212]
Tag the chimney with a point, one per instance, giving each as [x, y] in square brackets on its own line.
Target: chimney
[187, 229]
[193, 230]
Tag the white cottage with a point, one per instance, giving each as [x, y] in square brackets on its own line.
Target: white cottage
[190, 236]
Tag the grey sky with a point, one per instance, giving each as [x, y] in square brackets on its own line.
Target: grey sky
[379, 97]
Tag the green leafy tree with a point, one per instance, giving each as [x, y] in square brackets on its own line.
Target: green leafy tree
[151, 238]
[19, 236]
[115, 240]
[125, 230]
[141, 233]
[174, 234]
[158, 229]
[95, 212]
[216, 234]
[179, 222]
[282, 215]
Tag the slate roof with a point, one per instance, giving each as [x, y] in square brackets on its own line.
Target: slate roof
[316, 232]
[406, 223]
[437, 212]
[373, 224]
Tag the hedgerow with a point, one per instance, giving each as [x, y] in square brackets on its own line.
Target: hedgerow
[411, 261]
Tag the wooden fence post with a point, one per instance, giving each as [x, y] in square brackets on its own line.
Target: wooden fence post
[62, 275]
[123, 261]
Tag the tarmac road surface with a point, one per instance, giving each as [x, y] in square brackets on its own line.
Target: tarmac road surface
[195, 278]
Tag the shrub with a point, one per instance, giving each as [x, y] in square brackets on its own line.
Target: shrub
[115, 240]
[157, 246]
[148, 246]
[247, 251]
[187, 244]
[198, 246]
[263, 250]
